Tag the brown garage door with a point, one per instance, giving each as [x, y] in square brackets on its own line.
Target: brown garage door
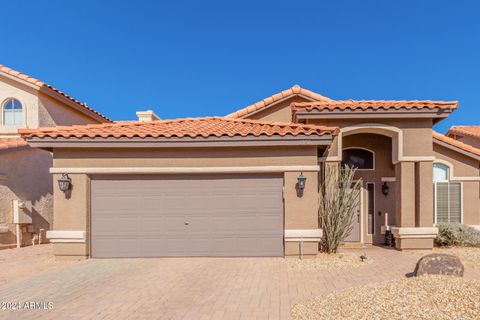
[162, 216]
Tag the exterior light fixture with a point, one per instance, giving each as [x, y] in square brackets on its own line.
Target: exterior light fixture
[301, 181]
[64, 182]
[385, 188]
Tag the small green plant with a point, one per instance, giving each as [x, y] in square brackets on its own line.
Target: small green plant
[455, 234]
[338, 197]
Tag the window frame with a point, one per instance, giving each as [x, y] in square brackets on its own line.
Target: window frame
[449, 181]
[2, 113]
[448, 171]
[361, 148]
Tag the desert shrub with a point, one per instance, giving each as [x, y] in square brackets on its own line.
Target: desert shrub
[455, 234]
[338, 195]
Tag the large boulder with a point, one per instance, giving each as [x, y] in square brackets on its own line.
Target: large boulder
[438, 263]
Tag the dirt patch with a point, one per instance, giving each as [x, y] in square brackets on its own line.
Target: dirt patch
[341, 260]
[426, 297]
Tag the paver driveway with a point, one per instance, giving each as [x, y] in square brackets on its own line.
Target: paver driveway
[177, 288]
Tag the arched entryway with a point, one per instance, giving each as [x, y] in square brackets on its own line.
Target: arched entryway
[371, 154]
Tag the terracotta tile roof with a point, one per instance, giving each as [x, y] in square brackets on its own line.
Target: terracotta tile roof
[41, 84]
[471, 131]
[188, 127]
[11, 143]
[456, 143]
[263, 104]
[374, 105]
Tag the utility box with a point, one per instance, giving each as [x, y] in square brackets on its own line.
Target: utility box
[22, 212]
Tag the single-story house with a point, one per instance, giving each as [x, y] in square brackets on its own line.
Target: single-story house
[26, 200]
[235, 185]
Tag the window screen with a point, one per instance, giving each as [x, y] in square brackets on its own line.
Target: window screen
[448, 205]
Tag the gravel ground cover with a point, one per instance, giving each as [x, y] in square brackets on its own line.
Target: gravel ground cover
[426, 297]
[341, 260]
[469, 256]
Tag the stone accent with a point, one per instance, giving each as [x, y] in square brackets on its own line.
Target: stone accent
[440, 264]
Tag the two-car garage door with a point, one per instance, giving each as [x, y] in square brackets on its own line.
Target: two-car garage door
[161, 216]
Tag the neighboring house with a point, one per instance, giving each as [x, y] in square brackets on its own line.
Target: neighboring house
[466, 134]
[26, 102]
[232, 186]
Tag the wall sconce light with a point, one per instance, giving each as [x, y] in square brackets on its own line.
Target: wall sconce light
[301, 181]
[385, 188]
[64, 182]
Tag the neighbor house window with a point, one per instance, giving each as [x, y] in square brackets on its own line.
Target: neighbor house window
[362, 159]
[12, 112]
[448, 196]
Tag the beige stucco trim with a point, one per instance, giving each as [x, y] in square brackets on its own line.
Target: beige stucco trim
[415, 233]
[388, 179]
[451, 175]
[306, 235]
[475, 226]
[66, 236]
[176, 170]
[377, 128]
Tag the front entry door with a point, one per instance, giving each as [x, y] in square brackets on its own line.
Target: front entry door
[354, 235]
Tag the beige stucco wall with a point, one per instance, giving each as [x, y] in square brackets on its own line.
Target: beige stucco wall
[27, 96]
[279, 112]
[464, 166]
[71, 213]
[25, 176]
[40, 110]
[26, 172]
[470, 140]
[417, 133]
[51, 113]
[181, 157]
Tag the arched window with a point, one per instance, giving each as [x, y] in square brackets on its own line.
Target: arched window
[440, 172]
[448, 195]
[362, 159]
[12, 113]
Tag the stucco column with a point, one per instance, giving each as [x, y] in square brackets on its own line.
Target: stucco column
[424, 194]
[405, 194]
[301, 215]
[69, 234]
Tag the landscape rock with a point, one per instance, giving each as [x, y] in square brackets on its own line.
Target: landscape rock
[439, 264]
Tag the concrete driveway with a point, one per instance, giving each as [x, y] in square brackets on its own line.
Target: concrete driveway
[175, 288]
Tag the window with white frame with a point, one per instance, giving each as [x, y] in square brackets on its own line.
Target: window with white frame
[447, 195]
[12, 113]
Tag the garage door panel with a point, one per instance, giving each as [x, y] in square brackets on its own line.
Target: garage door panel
[153, 216]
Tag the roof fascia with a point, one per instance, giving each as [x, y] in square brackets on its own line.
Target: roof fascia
[59, 97]
[358, 114]
[47, 143]
[456, 149]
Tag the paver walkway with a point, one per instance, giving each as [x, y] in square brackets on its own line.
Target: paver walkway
[178, 288]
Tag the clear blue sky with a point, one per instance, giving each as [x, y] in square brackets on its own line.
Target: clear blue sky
[212, 57]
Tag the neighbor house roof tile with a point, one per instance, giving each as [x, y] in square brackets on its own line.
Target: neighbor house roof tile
[12, 143]
[456, 143]
[471, 131]
[41, 84]
[285, 94]
[187, 127]
[374, 105]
